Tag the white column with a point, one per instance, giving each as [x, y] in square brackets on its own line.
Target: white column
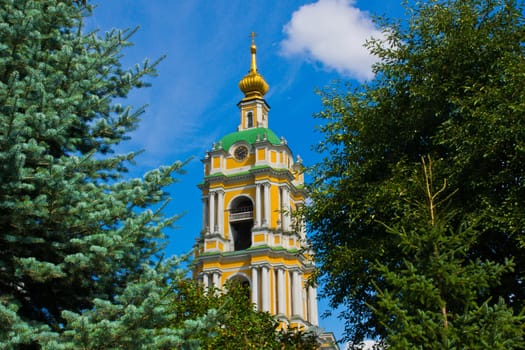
[212, 212]
[301, 225]
[205, 280]
[267, 204]
[297, 295]
[285, 207]
[312, 306]
[281, 297]
[258, 205]
[288, 209]
[220, 211]
[216, 280]
[205, 214]
[273, 291]
[255, 287]
[265, 288]
[289, 290]
[279, 200]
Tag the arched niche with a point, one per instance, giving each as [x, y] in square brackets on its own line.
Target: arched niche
[241, 222]
[240, 279]
[249, 120]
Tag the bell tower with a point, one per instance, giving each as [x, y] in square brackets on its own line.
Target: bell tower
[252, 186]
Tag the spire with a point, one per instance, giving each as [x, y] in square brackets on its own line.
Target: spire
[253, 84]
[253, 50]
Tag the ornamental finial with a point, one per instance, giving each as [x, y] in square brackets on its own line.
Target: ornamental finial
[253, 50]
[253, 84]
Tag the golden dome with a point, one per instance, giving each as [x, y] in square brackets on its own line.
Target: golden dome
[253, 84]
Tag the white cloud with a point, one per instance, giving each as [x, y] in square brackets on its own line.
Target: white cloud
[332, 32]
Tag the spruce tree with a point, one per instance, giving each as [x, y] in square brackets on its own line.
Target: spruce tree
[75, 233]
[438, 297]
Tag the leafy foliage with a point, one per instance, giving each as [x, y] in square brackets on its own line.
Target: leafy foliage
[239, 326]
[448, 85]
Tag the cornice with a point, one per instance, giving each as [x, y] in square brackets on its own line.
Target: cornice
[250, 175]
[270, 252]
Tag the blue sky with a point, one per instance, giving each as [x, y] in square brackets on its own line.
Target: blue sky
[301, 46]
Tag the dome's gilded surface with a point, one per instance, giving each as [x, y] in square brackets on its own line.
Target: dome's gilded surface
[253, 84]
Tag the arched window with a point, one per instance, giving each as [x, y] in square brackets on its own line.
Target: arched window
[249, 120]
[241, 222]
[240, 280]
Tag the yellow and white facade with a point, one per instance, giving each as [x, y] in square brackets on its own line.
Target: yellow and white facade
[252, 186]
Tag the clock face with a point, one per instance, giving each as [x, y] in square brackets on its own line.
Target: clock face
[240, 152]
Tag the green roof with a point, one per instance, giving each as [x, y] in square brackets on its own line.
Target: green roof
[257, 167]
[249, 136]
[251, 249]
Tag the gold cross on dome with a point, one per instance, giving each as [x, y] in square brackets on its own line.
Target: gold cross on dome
[253, 35]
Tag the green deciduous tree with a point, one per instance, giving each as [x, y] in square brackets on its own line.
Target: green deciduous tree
[448, 85]
[239, 326]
